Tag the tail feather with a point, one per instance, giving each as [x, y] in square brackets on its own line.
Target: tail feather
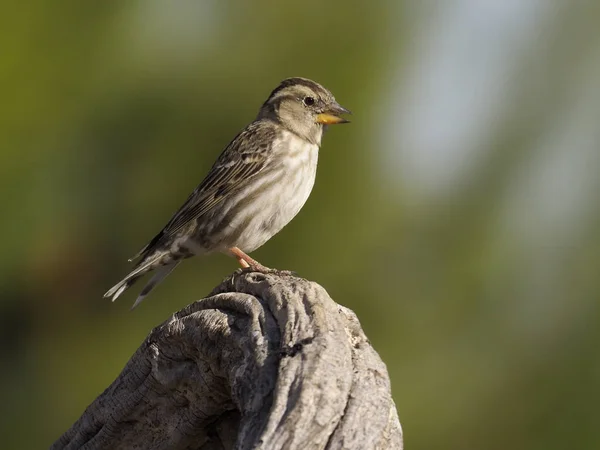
[127, 282]
[140, 253]
[160, 275]
[116, 291]
[150, 245]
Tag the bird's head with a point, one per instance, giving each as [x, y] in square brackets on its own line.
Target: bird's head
[303, 107]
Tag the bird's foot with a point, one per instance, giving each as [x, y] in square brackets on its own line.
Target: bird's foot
[249, 264]
[258, 267]
[265, 270]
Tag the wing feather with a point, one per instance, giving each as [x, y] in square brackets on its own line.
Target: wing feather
[245, 157]
[209, 196]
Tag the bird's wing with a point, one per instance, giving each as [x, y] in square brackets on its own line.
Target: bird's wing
[241, 160]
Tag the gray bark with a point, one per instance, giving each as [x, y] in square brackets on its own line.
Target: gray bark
[267, 361]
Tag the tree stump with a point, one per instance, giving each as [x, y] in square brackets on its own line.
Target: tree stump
[267, 361]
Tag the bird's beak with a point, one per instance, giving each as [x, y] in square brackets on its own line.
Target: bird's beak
[331, 115]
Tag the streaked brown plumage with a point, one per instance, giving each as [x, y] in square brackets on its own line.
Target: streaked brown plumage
[256, 186]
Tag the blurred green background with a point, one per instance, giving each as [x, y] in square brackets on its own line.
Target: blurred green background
[458, 215]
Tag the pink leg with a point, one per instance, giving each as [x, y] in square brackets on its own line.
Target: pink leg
[246, 261]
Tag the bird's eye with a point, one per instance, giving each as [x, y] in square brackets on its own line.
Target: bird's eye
[309, 101]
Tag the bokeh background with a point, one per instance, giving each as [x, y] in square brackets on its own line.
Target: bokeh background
[458, 215]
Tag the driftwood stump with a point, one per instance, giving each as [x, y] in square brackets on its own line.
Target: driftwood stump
[265, 362]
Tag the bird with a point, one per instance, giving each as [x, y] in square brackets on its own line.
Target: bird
[257, 185]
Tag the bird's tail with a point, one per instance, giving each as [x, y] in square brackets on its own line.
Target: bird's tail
[156, 261]
[160, 275]
[116, 291]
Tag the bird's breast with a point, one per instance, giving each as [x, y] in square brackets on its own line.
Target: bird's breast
[300, 168]
[277, 194]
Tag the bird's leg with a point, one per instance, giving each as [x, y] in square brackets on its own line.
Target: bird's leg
[243, 263]
[248, 262]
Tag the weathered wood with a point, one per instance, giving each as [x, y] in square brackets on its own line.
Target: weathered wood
[266, 362]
